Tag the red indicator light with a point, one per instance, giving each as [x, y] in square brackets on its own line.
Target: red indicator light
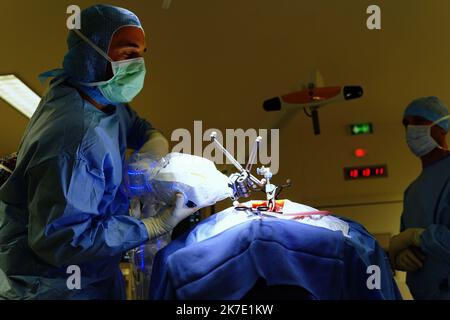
[360, 153]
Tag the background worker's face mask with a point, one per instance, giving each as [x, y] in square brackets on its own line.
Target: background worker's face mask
[128, 79]
[419, 138]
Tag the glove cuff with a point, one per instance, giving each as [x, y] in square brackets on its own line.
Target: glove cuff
[161, 224]
[416, 238]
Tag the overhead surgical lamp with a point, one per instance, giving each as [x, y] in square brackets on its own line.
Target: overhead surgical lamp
[311, 99]
[16, 93]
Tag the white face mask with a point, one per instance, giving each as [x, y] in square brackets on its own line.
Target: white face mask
[419, 138]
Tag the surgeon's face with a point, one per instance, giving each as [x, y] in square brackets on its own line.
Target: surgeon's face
[127, 43]
[437, 132]
[415, 121]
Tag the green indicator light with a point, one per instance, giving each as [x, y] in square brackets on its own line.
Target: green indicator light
[361, 128]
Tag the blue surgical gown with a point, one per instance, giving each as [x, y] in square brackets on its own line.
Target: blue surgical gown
[63, 206]
[226, 266]
[427, 205]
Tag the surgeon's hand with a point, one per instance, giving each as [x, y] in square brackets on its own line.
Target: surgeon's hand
[408, 238]
[156, 145]
[169, 217]
[409, 260]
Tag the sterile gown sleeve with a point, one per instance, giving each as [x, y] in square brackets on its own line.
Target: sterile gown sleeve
[402, 218]
[139, 129]
[435, 241]
[66, 225]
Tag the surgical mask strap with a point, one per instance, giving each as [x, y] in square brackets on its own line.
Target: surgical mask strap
[93, 45]
[439, 120]
[429, 131]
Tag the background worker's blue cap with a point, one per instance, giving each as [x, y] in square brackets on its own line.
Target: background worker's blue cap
[430, 108]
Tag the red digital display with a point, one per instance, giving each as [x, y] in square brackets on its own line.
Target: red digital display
[365, 172]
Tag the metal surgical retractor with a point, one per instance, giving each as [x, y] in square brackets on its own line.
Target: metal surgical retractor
[243, 182]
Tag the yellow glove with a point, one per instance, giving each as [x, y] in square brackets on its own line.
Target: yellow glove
[156, 144]
[409, 260]
[409, 237]
[168, 218]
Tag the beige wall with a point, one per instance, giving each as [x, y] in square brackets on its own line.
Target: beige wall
[217, 60]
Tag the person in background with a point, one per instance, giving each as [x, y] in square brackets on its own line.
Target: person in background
[63, 205]
[422, 249]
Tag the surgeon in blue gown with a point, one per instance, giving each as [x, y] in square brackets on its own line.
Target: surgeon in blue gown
[63, 205]
[422, 249]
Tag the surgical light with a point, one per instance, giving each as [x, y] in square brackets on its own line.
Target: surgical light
[18, 94]
[310, 100]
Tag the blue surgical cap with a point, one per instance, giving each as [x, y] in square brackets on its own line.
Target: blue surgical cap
[430, 108]
[98, 23]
